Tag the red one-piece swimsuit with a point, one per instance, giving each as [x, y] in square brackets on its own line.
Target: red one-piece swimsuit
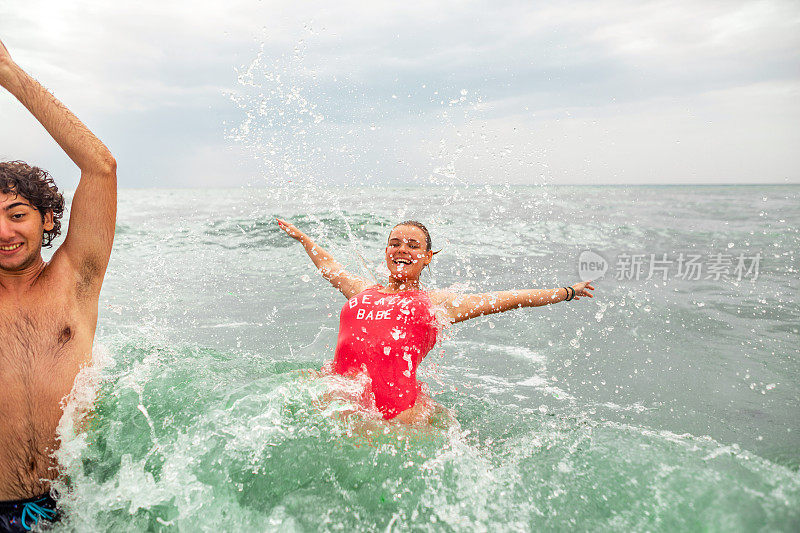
[388, 334]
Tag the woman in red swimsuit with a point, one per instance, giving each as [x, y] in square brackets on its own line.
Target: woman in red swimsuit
[386, 330]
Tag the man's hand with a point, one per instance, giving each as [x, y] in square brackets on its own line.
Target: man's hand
[5, 57]
[6, 63]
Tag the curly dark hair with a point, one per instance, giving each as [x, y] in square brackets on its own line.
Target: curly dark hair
[36, 186]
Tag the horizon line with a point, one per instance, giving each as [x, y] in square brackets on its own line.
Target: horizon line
[468, 185]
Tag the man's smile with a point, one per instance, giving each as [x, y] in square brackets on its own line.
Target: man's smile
[10, 247]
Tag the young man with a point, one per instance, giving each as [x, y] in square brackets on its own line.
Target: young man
[48, 311]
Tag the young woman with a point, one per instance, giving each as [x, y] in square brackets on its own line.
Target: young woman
[386, 330]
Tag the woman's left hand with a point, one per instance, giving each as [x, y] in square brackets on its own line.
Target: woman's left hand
[582, 289]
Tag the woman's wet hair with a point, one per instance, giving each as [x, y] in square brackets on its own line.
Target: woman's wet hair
[420, 225]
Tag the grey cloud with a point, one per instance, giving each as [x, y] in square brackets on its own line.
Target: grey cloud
[550, 79]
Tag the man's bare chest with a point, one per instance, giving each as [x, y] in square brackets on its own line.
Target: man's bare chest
[45, 339]
[43, 331]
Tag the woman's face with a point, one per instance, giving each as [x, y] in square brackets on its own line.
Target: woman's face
[406, 253]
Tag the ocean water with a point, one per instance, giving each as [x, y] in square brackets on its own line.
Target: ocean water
[659, 405]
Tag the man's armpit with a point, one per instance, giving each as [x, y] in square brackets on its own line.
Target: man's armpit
[89, 272]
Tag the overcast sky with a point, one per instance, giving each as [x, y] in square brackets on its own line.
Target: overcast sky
[254, 92]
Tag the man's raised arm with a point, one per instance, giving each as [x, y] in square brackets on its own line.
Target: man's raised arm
[87, 245]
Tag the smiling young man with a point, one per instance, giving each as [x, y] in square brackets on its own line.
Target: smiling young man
[48, 311]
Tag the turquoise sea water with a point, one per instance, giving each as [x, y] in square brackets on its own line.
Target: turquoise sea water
[656, 406]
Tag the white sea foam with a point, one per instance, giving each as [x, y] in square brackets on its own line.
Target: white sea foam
[533, 381]
[522, 352]
[78, 406]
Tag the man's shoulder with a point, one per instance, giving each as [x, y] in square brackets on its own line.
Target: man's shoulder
[62, 276]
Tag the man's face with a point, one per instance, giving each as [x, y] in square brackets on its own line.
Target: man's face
[21, 229]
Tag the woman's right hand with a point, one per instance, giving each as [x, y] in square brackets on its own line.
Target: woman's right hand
[290, 230]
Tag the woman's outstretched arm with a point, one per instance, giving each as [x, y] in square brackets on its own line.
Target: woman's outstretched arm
[349, 284]
[460, 307]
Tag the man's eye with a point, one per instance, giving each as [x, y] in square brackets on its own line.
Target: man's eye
[17, 216]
